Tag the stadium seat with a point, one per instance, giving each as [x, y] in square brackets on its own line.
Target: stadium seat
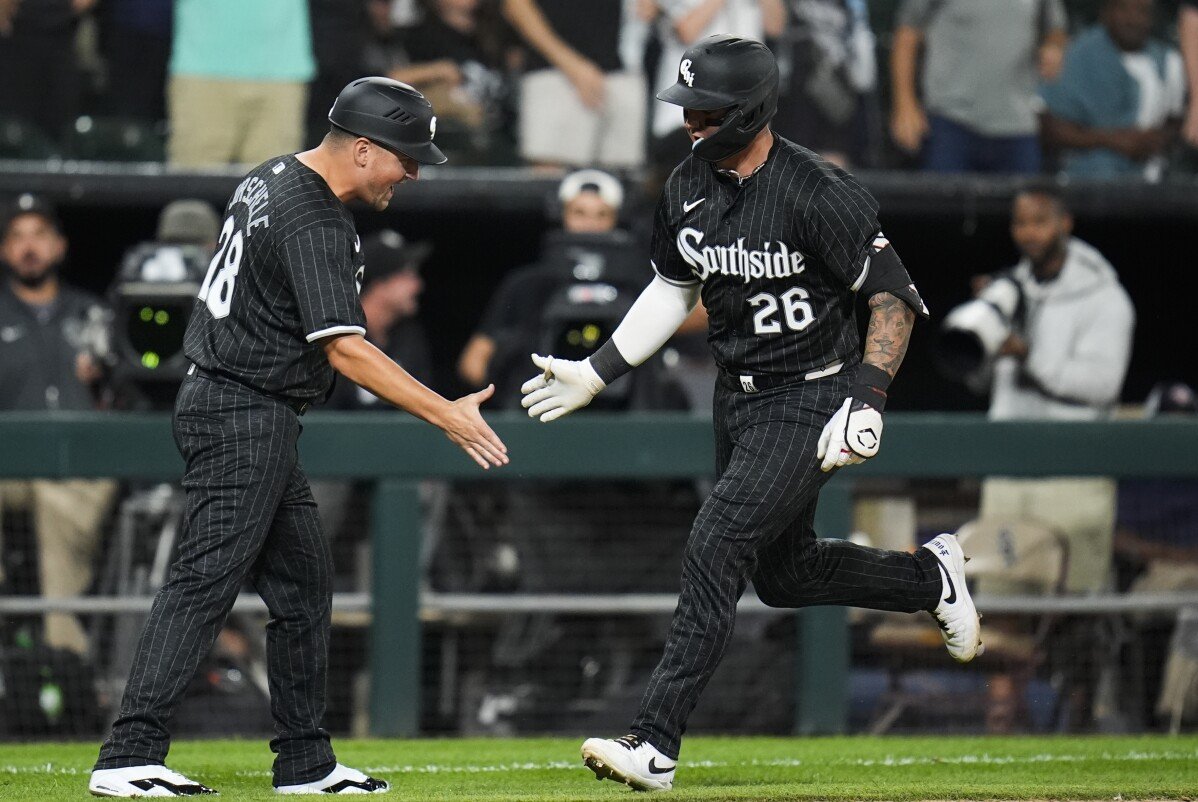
[119, 139]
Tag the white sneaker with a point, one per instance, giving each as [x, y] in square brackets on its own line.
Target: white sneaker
[144, 781]
[630, 760]
[341, 780]
[960, 624]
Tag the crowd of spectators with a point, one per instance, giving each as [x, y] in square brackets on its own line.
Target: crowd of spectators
[1092, 88]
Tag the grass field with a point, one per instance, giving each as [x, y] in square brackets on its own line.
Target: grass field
[949, 768]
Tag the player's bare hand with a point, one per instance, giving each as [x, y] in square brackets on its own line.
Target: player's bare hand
[909, 126]
[589, 82]
[1189, 129]
[464, 425]
[562, 387]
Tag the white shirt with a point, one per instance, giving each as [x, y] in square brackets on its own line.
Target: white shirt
[1078, 328]
[1162, 96]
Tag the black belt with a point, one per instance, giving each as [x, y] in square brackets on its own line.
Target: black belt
[747, 383]
[296, 405]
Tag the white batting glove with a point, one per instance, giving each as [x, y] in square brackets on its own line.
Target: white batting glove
[850, 436]
[564, 386]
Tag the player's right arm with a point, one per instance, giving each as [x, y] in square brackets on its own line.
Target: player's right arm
[358, 360]
[660, 310]
[566, 385]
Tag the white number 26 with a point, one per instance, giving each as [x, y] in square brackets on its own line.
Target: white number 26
[796, 311]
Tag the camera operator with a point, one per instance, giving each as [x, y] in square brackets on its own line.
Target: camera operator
[1064, 359]
[48, 331]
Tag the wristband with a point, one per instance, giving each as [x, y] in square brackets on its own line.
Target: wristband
[869, 386]
[609, 363]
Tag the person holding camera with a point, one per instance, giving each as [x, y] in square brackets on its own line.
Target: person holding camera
[46, 364]
[1064, 358]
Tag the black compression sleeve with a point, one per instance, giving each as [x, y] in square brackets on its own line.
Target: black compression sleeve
[609, 363]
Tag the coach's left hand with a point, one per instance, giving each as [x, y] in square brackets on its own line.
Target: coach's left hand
[851, 436]
[563, 386]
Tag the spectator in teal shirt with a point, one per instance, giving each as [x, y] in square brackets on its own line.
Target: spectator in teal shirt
[239, 76]
[1116, 107]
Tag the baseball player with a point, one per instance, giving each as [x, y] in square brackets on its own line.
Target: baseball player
[780, 245]
[277, 313]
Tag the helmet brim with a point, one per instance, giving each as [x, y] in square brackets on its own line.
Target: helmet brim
[425, 153]
[690, 98]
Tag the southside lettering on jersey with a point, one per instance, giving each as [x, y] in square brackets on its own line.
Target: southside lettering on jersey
[285, 274]
[780, 256]
[736, 259]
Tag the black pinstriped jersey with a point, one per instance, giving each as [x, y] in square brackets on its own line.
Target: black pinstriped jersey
[780, 256]
[287, 270]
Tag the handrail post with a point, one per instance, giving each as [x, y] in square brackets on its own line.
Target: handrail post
[395, 610]
[822, 660]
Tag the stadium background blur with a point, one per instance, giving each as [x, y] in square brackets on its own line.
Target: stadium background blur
[98, 155]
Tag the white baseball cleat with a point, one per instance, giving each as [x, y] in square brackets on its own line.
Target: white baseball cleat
[341, 780]
[629, 760]
[137, 781]
[960, 624]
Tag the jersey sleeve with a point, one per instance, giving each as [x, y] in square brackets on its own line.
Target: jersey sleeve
[319, 263]
[841, 223]
[664, 256]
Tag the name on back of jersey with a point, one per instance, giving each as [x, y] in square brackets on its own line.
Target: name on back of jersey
[773, 261]
[253, 193]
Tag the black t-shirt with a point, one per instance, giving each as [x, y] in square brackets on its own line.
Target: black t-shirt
[592, 28]
[779, 256]
[286, 273]
[38, 348]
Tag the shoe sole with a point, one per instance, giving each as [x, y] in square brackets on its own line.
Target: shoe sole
[603, 770]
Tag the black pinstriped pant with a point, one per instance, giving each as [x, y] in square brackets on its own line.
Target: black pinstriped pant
[249, 516]
[758, 524]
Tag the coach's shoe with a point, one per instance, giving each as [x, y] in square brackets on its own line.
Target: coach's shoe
[144, 781]
[630, 760]
[960, 624]
[341, 780]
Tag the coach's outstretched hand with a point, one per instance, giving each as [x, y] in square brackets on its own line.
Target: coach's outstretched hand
[851, 436]
[563, 386]
[464, 425]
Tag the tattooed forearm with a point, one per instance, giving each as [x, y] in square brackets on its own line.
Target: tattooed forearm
[889, 332]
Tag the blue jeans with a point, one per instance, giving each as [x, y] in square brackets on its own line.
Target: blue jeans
[955, 148]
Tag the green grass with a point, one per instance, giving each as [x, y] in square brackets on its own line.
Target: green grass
[949, 768]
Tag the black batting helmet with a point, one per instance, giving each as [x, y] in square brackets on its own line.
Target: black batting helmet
[391, 113]
[724, 71]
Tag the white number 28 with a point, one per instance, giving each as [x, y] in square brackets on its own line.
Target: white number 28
[217, 289]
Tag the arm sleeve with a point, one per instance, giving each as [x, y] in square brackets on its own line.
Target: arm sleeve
[1093, 372]
[667, 261]
[653, 319]
[841, 224]
[319, 262]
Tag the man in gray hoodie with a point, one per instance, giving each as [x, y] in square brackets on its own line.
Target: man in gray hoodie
[1065, 360]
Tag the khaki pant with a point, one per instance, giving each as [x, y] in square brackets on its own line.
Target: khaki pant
[1081, 509]
[221, 121]
[66, 520]
[557, 128]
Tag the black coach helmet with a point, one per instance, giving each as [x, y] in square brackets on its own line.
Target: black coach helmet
[724, 71]
[391, 113]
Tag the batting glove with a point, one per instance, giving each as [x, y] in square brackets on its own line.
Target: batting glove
[563, 387]
[850, 436]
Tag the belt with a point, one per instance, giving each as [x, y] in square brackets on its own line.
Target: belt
[296, 405]
[747, 383]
